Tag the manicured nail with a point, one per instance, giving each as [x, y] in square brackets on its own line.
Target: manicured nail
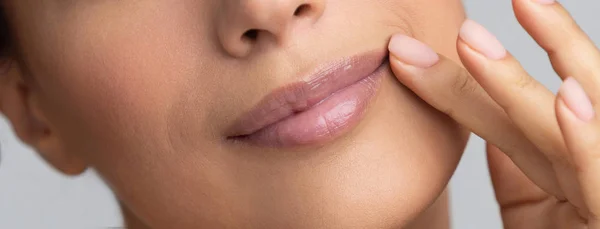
[413, 52]
[481, 40]
[545, 2]
[576, 99]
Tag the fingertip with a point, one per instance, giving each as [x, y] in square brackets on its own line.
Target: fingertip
[412, 52]
[400, 69]
[545, 2]
[565, 117]
[481, 40]
[576, 100]
[581, 137]
[472, 59]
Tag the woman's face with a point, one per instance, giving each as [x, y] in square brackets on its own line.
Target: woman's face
[243, 113]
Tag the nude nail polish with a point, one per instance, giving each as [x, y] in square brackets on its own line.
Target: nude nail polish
[577, 100]
[413, 52]
[545, 2]
[481, 40]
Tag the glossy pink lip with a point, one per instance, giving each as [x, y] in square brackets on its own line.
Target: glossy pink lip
[320, 109]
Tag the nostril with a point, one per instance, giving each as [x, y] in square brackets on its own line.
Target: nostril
[251, 34]
[302, 9]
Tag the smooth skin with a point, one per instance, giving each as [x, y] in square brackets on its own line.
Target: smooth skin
[144, 92]
[543, 149]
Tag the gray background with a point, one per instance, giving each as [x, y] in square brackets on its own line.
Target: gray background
[33, 196]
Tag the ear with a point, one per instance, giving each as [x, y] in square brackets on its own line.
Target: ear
[19, 102]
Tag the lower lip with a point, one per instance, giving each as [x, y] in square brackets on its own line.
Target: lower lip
[324, 122]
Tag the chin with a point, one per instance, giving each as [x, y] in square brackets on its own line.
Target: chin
[383, 173]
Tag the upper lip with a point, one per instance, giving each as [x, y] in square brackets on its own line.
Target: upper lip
[302, 95]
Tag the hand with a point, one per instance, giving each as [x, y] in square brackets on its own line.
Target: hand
[546, 167]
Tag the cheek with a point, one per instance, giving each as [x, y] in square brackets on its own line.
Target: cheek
[406, 154]
[127, 94]
[120, 78]
[122, 93]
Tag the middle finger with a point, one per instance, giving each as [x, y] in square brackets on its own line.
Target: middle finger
[527, 102]
[451, 89]
[571, 51]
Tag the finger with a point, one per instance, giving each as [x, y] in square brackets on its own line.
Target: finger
[512, 187]
[581, 130]
[449, 88]
[521, 200]
[571, 51]
[515, 193]
[528, 103]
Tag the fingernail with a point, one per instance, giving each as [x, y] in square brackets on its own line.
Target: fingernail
[545, 2]
[413, 52]
[576, 99]
[481, 40]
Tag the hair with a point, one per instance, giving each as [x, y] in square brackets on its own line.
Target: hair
[5, 37]
[4, 45]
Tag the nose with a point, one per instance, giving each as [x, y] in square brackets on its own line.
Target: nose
[244, 25]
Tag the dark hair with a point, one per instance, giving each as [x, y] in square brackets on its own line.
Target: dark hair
[4, 44]
[5, 37]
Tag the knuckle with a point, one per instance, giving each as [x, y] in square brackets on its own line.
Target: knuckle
[525, 82]
[464, 84]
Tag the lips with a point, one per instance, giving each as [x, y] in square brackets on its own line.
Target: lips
[331, 101]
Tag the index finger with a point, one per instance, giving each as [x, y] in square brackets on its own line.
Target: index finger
[450, 88]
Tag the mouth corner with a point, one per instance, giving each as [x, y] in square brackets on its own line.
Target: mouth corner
[301, 113]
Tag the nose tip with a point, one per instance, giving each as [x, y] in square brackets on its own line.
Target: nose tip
[246, 24]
